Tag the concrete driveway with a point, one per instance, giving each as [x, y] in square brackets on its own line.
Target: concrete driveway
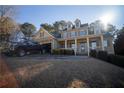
[64, 71]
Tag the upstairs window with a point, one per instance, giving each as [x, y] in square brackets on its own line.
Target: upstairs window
[105, 43]
[73, 34]
[64, 34]
[69, 26]
[77, 24]
[41, 34]
[91, 31]
[82, 33]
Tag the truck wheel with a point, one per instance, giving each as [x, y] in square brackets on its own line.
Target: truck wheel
[21, 53]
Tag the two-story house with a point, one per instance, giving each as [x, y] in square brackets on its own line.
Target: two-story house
[80, 37]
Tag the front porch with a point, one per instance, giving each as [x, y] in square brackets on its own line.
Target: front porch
[82, 46]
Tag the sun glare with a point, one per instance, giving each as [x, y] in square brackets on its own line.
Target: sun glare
[107, 18]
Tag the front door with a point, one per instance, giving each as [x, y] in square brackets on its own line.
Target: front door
[82, 48]
[93, 45]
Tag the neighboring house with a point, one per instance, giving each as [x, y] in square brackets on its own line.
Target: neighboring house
[17, 36]
[80, 37]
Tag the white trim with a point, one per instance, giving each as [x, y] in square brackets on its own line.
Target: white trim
[65, 44]
[75, 46]
[102, 42]
[88, 48]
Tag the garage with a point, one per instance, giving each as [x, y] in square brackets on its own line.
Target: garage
[46, 48]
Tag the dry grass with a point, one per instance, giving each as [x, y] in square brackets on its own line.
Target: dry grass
[7, 78]
[27, 72]
[65, 71]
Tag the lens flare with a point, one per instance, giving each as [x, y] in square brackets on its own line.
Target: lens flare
[107, 18]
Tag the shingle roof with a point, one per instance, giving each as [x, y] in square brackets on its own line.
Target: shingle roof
[56, 34]
[83, 25]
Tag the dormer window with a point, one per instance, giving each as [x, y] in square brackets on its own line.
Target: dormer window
[65, 26]
[69, 25]
[60, 27]
[77, 23]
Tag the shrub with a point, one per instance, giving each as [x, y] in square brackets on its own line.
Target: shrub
[69, 52]
[119, 60]
[103, 55]
[55, 51]
[93, 53]
[110, 58]
[63, 51]
[116, 59]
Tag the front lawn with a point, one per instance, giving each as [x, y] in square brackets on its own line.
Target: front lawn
[64, 71]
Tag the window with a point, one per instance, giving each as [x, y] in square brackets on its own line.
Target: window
[65, 35]
[73, 34]
[105, 43]
[69, 26]
[97, 31]
[81, 33]
[93, 45]
[77, 24]
[91, 31]
[41, 34]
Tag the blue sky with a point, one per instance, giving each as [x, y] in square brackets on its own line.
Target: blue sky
[48, 14]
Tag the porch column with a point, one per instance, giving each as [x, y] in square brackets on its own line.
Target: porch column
[88, 48]
[65, 44]
[53, 46]
[75, 46]
[102, 44]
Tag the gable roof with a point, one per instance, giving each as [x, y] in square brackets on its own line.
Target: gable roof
[42, 29]
[47, 32]
[16, 36]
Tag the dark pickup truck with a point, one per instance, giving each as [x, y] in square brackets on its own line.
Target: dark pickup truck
[23, 48]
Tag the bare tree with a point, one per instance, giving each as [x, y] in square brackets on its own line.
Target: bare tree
[7, 11]
[7, 24]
